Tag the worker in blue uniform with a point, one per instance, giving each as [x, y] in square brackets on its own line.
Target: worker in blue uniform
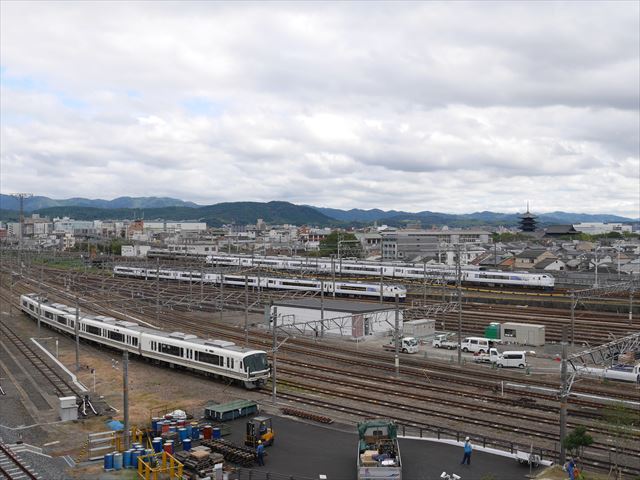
[260, 453]
[468, 448]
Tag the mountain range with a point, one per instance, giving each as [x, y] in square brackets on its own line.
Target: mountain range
[275, 212]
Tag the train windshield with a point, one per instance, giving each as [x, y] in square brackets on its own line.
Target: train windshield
[256, 362]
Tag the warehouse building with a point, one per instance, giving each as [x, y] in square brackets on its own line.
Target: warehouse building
[345, 318]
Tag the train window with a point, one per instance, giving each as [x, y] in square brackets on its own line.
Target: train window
[209, 358]
[171, 350]
[227, 362]
[31, 307]
[134, 341]
[93, 330]
[61, 319]
[232, 361]
[510, 332]
[118, 337]
[48, 315]
[24, 303]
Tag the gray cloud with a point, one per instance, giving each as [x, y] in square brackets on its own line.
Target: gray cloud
[438, 106]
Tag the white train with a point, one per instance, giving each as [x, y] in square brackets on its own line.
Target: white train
[393, 270]
[348, 289]
[217, 358]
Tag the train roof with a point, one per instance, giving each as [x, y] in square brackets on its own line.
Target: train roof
[136, 327]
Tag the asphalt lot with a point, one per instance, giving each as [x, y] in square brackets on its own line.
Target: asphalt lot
[308, 450]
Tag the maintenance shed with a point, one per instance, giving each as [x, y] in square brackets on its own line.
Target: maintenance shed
[346, 318]
[523, 333]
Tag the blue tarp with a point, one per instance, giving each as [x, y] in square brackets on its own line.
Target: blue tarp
[115, 425]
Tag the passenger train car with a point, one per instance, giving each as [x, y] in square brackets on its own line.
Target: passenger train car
[347, 289]
[473, 276]
[217, 358]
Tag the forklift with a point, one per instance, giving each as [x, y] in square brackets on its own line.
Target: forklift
[259, 428]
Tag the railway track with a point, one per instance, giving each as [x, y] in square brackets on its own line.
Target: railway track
[483, 381]
[590, 327]
[59, 385]
[12, 467]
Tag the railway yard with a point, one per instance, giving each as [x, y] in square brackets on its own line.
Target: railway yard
[320, 377]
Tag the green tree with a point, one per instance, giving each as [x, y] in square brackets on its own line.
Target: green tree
[577, 441]
[343, 243]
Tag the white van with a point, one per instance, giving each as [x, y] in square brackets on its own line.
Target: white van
[476, 345]
[512, 359]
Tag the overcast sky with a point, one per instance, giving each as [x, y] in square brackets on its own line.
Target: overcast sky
[451, 107]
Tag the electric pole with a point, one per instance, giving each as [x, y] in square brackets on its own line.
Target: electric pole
[458, 288]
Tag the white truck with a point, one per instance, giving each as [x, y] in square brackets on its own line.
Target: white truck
[624, 373]
[378, 450]
[445, 340]
[407, 345]
[513, 359]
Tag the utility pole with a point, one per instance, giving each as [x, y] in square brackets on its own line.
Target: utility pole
[458, 287]
[125, 395]
[322, 308]
[397, 335]
[158, 291]
[76, 328]
[573, 317]
[246, 311]
[333, 273]
[274, 325]
[221, 295]
[564, 393]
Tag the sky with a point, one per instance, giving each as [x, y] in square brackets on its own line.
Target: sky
[450, 107]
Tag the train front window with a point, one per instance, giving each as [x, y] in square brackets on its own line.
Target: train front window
[256, 362]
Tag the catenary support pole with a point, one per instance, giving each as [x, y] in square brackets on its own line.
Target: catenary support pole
[458, 287]
[246, 311]
[125, 396]
[563, 397]
[158, 291]
[274, 382]
[630, 306]
[573, 318]
[321, 308]
[76, 328]
[396, 333]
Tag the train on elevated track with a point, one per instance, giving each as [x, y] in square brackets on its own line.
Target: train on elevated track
[217, 358]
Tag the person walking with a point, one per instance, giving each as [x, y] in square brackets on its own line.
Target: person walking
[260, 453]
[468, 448]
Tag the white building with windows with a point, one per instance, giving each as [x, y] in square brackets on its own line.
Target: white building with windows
[596, 228]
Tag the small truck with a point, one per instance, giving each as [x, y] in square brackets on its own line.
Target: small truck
[406, 345]
[445, 340]
[378, 451]
[505, 359]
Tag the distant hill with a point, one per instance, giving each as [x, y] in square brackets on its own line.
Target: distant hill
[7, 202]
[427, 218]
[241, 213]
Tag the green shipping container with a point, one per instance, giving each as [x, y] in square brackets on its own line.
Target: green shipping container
[492, 331]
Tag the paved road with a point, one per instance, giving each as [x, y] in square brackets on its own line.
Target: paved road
[305, 450]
